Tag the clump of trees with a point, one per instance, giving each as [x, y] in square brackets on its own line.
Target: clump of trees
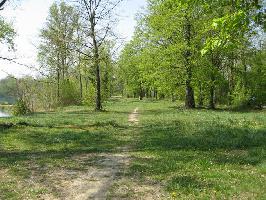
[76, 51]
[202, 52]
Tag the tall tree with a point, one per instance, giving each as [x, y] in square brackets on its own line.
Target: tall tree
[58, 39]
[176, 26]
[98, 20]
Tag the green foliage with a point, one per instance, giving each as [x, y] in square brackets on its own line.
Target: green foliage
[200, 48]
[7, 33]
[67, 59]
[257, 78]
[89, 97]
[70, 94]
[20, 108]
[241, 97]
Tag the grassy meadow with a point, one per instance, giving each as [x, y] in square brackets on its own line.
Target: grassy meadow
[187, 154]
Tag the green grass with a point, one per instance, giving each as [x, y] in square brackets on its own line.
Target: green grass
[195, 154]
[202, 154]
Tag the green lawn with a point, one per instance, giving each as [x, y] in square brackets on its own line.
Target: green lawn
[197, 154]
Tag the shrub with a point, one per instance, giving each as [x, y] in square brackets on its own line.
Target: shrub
[20, 108]
[70, 94]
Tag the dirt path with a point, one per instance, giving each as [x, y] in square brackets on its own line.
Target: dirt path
[95, 181]
[103, 178]
[133, 117]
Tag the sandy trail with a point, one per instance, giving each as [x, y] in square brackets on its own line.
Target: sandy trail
[95, 182]
[133, 117]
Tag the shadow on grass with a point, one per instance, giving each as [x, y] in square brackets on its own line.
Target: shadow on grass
[186, 155]
[4, 126]
[111, 123]
[32, 154]
[219, 109]
[188, 183]
[207, 138]
[43, 143]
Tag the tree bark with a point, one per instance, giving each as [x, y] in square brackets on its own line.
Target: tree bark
[141, 93]
[98, 100]
[212, 92]
[190, 100]
[212, 98]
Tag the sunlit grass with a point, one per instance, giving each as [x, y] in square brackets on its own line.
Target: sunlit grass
[195, 154]
[202, 154]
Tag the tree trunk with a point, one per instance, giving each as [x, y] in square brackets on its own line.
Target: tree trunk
[58, 77]
[141, 96]
[106, 83]
[98, 100]
[212, 92]
[231, 83]
[200, 95]
[58, 85]
[212, 98]
[87, 84]
[190, 100]
[80, 86]
[98, 89]
[141, 93]
[156, 94]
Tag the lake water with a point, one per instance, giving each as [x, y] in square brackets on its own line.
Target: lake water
[3, 114]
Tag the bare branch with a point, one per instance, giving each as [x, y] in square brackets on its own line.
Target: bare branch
[2, 3]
